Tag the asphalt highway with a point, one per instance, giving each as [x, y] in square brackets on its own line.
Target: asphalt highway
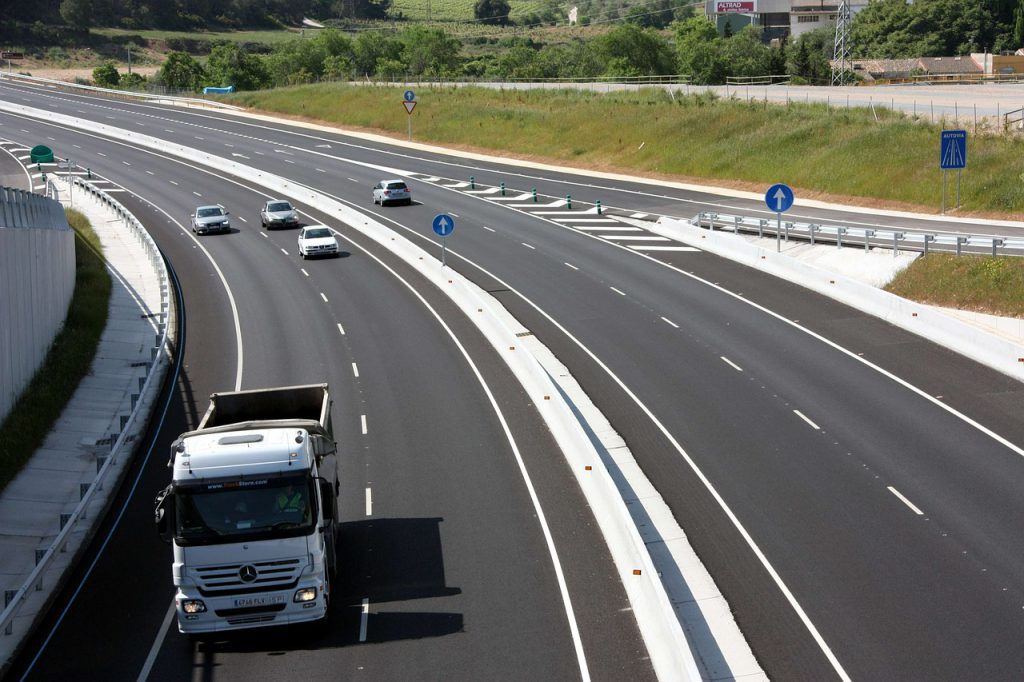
[852, 488]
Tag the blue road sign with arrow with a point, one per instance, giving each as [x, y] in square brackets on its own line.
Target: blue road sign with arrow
[409, 95]
[443, 224]
[779, 198]
[953, 150]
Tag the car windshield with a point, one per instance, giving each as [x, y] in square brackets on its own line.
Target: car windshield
[396, 185]
[208, 212]
[279, 206]
[318, 233]
[214, 513]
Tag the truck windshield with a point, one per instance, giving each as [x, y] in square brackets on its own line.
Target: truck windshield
[233, 511]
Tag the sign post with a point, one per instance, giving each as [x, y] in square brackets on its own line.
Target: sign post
[443, 225]
[409, 103]
[952, 156]
[778, 198]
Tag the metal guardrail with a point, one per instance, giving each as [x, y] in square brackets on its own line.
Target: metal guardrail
[124, 94]
[15, 599]
[21, 208]
[841, 235]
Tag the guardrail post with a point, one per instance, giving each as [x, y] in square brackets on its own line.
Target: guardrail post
[996, 243]
[928, 238]
[867, 234]
[787, 226]
[840, 231]
[960, 241]
[811, 228]
[896, 237]
[760, 227]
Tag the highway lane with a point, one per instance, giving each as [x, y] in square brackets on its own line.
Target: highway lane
[453, 559]
[826, 312]
[262, 141]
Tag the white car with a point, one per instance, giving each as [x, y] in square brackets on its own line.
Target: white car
[317, 240]
[392, 192]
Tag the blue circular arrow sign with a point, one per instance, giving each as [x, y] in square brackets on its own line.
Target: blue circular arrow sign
[779, 198]
[443, 224]
[409, 95]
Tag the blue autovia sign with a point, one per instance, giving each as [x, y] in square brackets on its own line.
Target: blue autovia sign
[779, 198]
[953, 150]
[443, 224]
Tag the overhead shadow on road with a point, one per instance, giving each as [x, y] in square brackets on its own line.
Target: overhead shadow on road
[381, 560]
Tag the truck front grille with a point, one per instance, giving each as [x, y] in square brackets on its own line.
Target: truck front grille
[248, 578]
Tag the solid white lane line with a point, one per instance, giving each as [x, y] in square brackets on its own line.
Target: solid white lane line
[369, 502]
[638, 247]
[631, 238]
[323, 296]
[731, 363]
[303, 271]
[362, 620]
[158, 644]
[905, 501]
[804, 417]
[341, 329]
[670, 322]
[355, 370]
[489, 229]
[528, 246]
[362, 420]
[619, 292]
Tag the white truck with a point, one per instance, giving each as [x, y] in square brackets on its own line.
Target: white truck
[251, 511]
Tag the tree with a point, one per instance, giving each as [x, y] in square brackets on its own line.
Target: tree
[699, 51]
[78, 13]
[182, 72]
[492, 11]
[777, 58]
[231, 65]
[429, 50]
[632, 51]
[371, 47]
[1018, 25]
[106, 75]
[746, 54]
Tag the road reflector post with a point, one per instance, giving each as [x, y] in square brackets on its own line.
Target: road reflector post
[472, 182]
[568, 201]
[960, 241]
[761, 224]
[896, 237]
[867, 235]
[503, 189]
[996, 243]
[88, 173]
[534, 190]
[840, 231]
[599, 207]
[812, 227]
[927, 238]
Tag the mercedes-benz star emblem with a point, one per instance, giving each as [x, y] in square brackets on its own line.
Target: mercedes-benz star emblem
[247, 573]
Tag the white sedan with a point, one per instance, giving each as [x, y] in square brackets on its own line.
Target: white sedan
[317, 240]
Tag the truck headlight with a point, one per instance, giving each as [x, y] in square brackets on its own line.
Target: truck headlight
[193, 606]
[305, 594]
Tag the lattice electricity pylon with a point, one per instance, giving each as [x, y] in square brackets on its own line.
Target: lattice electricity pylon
[841, 53]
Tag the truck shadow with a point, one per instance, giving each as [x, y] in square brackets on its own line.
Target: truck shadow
[384, 561]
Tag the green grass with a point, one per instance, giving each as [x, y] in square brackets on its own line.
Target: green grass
[68, 360]
[267, 37]
[981, 283]
[843, 153]
[455, 10]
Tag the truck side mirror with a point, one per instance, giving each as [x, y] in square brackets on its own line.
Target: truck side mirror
[163, 513]
[327, 498]
[323, 446]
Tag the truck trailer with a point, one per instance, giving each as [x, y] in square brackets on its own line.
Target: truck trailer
[251, 511]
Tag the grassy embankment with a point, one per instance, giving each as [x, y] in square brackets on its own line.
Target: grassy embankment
[839, 154]
[68, 360]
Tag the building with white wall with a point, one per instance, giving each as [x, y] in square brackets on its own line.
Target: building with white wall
[778, 18]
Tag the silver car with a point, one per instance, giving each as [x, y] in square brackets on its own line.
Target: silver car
[317, 240]
[278, 213]
[210, 219]
[392, 192]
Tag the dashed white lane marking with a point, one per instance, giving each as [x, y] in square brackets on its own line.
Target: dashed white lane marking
[905, 501]
[196, 193]
[641, 247]
[804, 417]
[571, 266]
[355, 370]
[150, 173]
[303, 271]
[319, 170]
[362, 620]
[352, 180]
[243, 220]
[454, 215]
[173, 182]
[228, 144]
[264, 235]
[489, 229]
[362, 421]
[618, 291]
[369, 502]
[288, 161]
[100, 154]
[528, 246]
[168, 130]
[665, 319]
[341, 329]
[282, 250]
[323, 296]
[631, 238]
[731, 363]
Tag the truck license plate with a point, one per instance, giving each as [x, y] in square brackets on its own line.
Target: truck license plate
[258, 601]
